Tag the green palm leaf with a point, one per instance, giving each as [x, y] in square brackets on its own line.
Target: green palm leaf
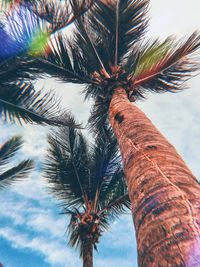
[117, 206]
[165, 66]
[64, 61]
[105, 162]
[67, 168]
[59, 14]
[126, 24]
[7, 151]
[19, 102]
[16, 173]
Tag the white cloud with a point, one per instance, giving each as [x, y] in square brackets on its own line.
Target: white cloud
[44, 233]
[54, 252]
[54, 226]
[18, 211]
[14, 213]
[32, 188]
[37, 228]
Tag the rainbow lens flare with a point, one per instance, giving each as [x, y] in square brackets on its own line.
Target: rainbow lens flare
[23, 32]
[8, 46]
[39, 44]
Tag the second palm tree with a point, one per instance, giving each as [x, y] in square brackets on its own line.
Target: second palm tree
[89, 182]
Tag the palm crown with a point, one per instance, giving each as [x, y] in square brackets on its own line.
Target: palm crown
[108, 50]
[7, 152]
[88, 180]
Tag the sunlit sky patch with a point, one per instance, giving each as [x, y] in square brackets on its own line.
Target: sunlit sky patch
[32, 233]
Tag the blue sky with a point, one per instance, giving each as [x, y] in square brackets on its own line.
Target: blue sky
[32, 233]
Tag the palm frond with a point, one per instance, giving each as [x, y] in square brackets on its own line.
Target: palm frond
[63, 60]
[15, 69]
[88, 44]
[72, 230]
[117, 207]
[126, 24]
[99, 112]
[114, 198]
[16, 173]
[59, 14]
[105, 161]
[66, 167]
[104, 144]
[89, 49]
[165, 66]
[9, 149]
[117, 179]
[20, 103]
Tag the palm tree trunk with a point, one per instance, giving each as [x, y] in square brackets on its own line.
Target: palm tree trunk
[88, 253]
[164, 194]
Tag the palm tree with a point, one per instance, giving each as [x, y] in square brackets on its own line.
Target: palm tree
[89, 181]
[108, 55]
[18, 172]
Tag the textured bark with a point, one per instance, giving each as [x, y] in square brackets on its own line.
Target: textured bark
[87, 253]
[164, 194]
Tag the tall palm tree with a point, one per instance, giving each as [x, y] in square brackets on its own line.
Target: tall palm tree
[7, 151]
[109, 56]
[89, 181]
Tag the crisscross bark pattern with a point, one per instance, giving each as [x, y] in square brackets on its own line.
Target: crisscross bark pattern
[165, 196]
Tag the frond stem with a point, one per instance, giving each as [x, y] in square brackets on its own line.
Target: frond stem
[68, 72]
[24, 109]
[117, 33]
[94, 50]
[137, 82]
[109, 206]
[78, 179]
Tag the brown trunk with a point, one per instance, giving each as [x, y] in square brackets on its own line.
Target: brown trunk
[87, 253]
[164, 194]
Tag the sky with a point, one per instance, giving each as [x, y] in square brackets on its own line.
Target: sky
[32, 231]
